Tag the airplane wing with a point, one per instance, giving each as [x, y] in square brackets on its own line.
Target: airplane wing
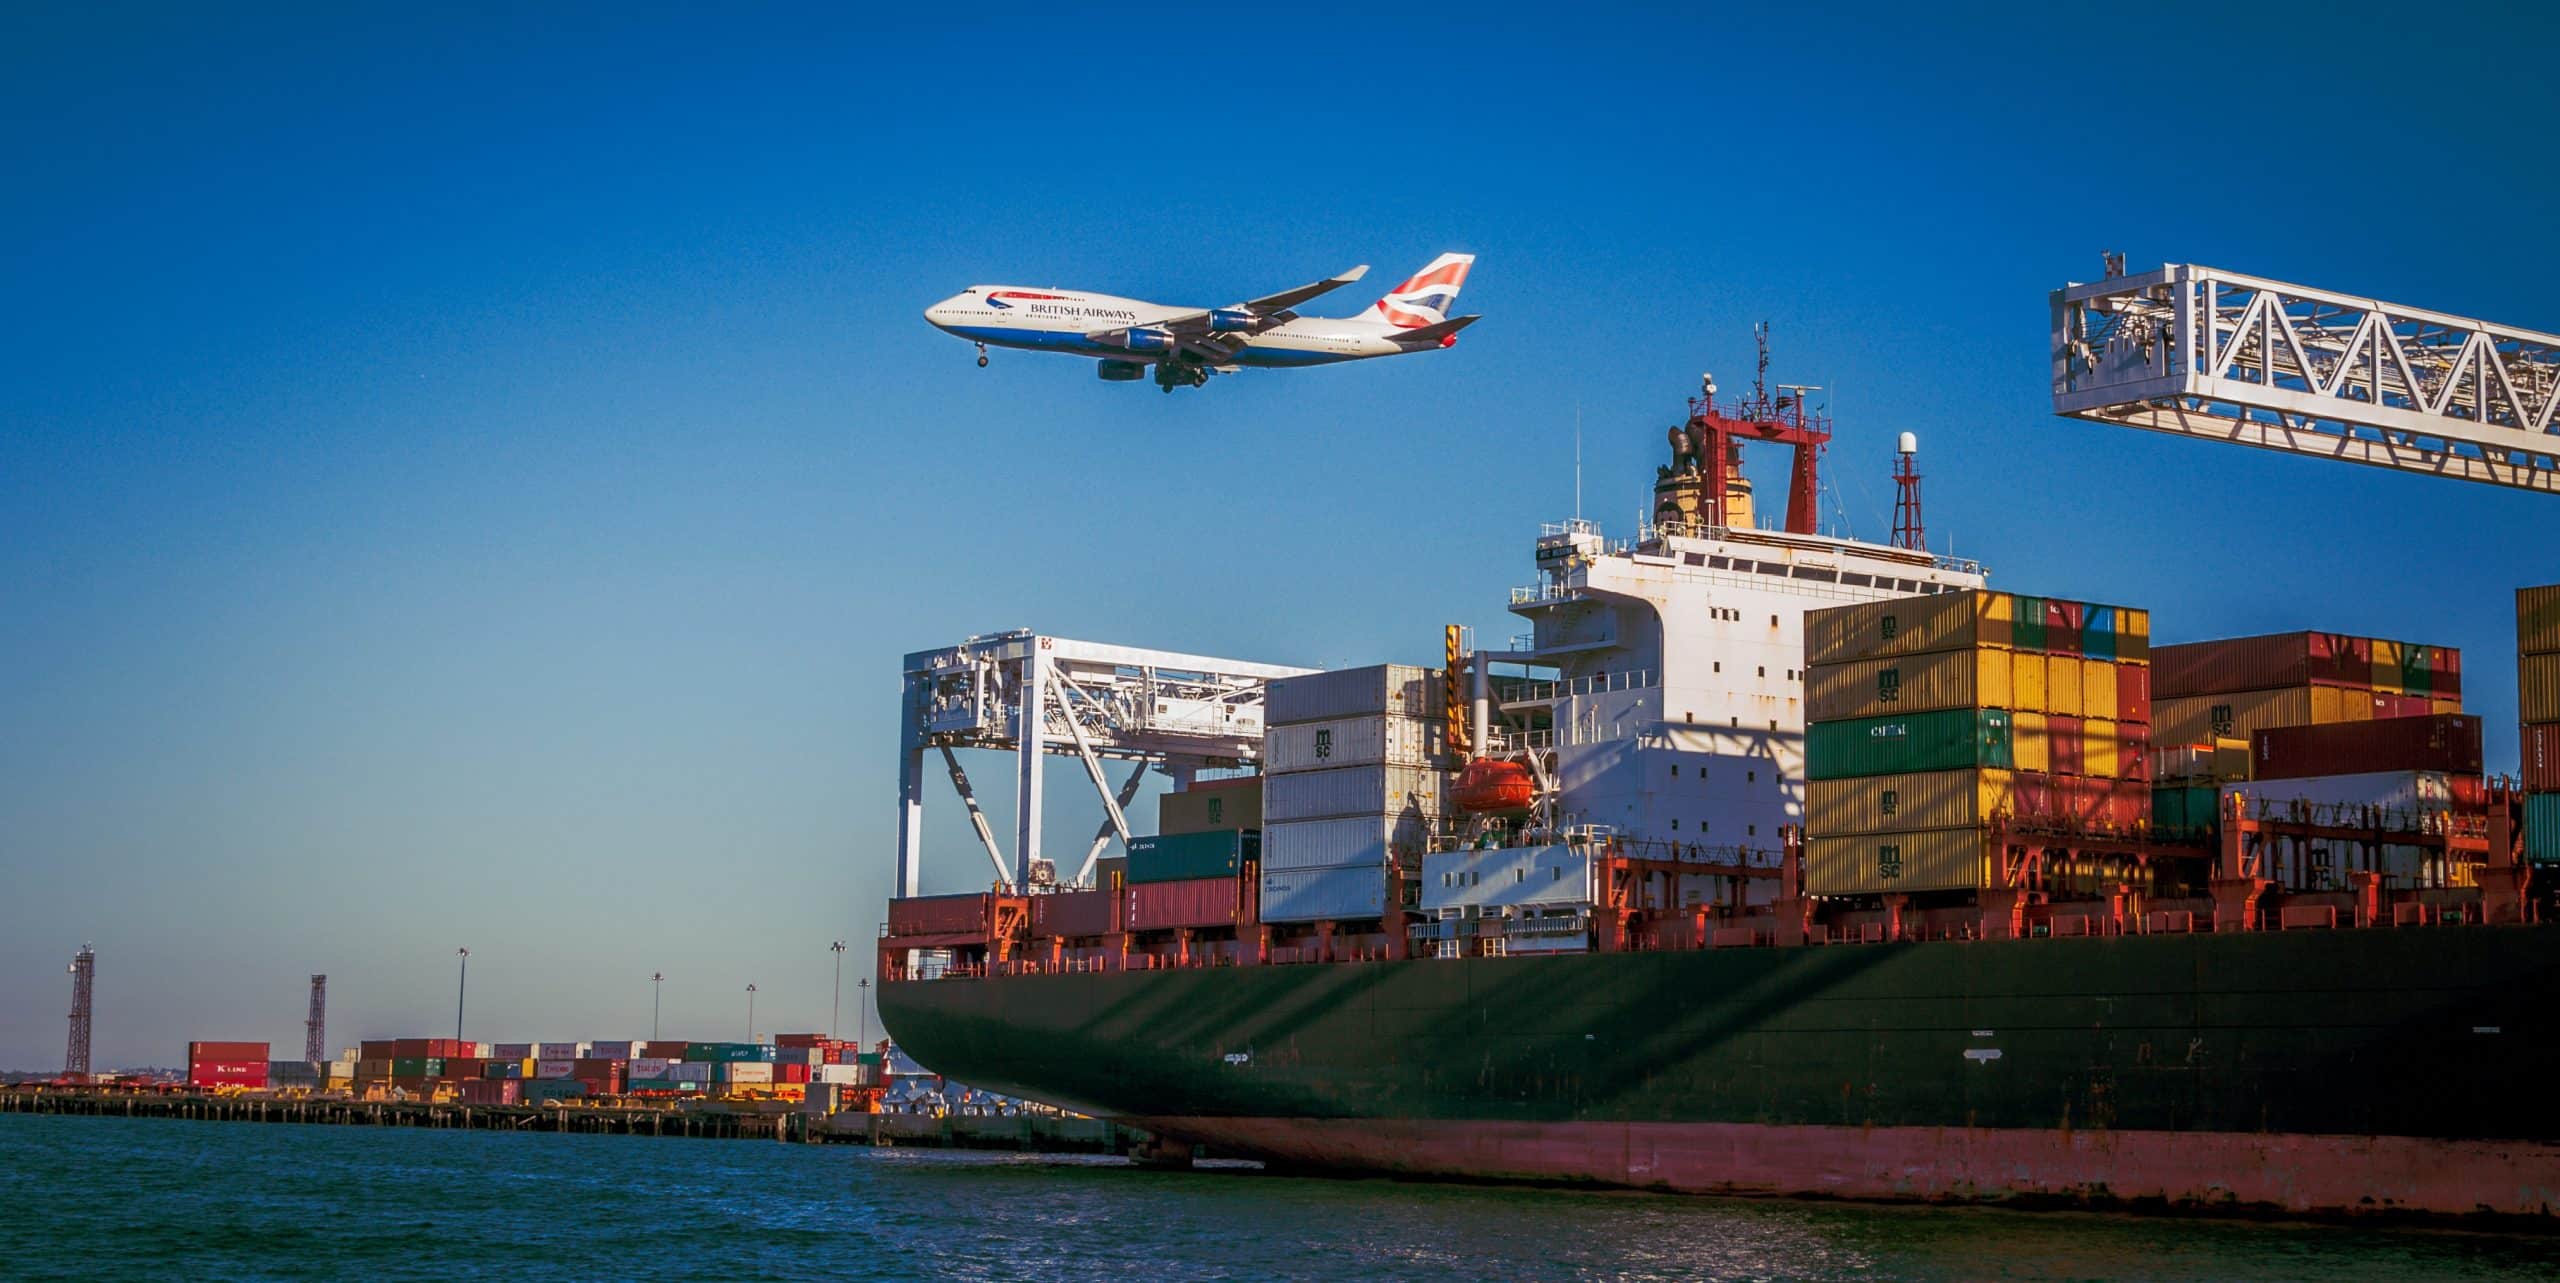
[1270, 309]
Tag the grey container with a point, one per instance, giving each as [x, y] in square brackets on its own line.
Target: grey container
[1357, 839]
[1354, 790]
[1508, 877]
[1353, 741]
[1345, 893]
[1399, 690]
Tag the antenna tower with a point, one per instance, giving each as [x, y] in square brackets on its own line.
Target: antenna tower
[84, 980]
[315, 1030]
[1907, 530]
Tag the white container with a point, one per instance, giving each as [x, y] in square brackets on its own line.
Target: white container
[559, 1051]
[553, 1069]
[1315, 844]
[480, 1051]
[1506, 878]
[1401, 690]
[1336, 894]
[850, 1075]
[750, 1071]
[1352, 741]
[649, 1067]
[1354, 790]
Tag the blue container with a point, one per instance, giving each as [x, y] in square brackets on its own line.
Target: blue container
[2542, 828]
[2098, 633]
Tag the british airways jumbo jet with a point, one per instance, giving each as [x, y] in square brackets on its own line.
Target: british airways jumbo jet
[1186, 345]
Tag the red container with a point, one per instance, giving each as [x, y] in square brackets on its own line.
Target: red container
[227, 1073]
[492, 1091]
[791, 1073]
[1073, 913]
[2445, 680]
[2064, 623]
[465, 1067]
[2082, 800]
[256, 1051]
[1190, 902]
[2069, 738]
[604, 1086]
[412, 1049]
[378, 1049]
[2401, 706]
[2542, 758]
[450, 1047]
[663, 1050]
[2133, 753]
[2133, 693]
[934, 915]
[2260, 663]
[2449, 743]
[817, 1040]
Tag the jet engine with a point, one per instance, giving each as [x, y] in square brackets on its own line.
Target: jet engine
[1230, 319]
[1121, 371]
[1137, 340]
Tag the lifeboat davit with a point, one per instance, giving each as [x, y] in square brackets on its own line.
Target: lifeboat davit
[1490, 787]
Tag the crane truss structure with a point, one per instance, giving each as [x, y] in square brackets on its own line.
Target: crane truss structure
[84, 992]
[1086, 700]
[315, 1027]
[2222, 356]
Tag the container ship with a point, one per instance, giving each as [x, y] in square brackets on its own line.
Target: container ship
[1772, 862]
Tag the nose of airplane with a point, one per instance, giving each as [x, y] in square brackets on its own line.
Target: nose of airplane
[939, 315]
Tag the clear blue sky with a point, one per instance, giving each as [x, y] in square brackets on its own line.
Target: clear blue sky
[469, 482]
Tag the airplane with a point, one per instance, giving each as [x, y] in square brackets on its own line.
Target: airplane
[1186, 345]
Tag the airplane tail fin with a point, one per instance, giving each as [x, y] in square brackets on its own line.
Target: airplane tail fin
[1425, 297]
[1445, 334]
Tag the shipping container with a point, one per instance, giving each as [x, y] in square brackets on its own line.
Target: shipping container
[2538, 620]
[1944, 740]
[227, 1051]
[467, 1066]
[2099, 747]
[1921, 860]
[1907, 626]
[378, 1049]
[2542, 828]
[1891, 803]
[2538, 688]
[1374, 740]
[1111, 872]
[1399, 689]
[663, 1049]
[649, 1067]
[2062, 622]
[559, 1050]
[2031, 742]
[2026, 626]
[2450, 744]
[2030, 690]
[1073, 913]
[2447, 663]
[2098, 696]
[1317, 844]
[2184, 808]
[1354, 790]
[1194, 902]
[1507, 877]
[2260, 663]
[2542, 758]
[742, 1071]
[1183, 856]
[2067, 745]
[536, 1090]
[2193, 719]
[1901, 684]
[1350, 893]
[1212, 804]
[511, 1050]
[418, 1067]
[2133, 693]
[2387, 673]
[933, 915]
[613, 1050]
[555, 1068]
[2085, 800]
[491, 1092]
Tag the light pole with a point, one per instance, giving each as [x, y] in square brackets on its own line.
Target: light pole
[461, 988]
[861, 990]
[835, 1021]
[751, 1013]
[657, 986]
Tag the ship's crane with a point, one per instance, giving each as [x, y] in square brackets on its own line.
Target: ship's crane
[1085, 700]
[2223, 356]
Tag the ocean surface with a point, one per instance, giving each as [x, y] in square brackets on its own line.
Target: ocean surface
[100, 1198]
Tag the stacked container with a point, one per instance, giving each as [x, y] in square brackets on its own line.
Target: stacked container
[2231, 688]
[2538, 699]
[1209, 805]
[1928, 716]
[1354, 782]
[226, 1064]
[1187, 880]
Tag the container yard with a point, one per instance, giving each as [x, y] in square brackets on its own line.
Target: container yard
[1769, 861]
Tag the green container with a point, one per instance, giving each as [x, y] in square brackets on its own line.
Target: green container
[1951, 739]
[540, 1089]
[418, 1067]
[2184, 808]
[2542, 828]
[2417, 674]
[1219, 853]
[866, 1058]
[2026, 623]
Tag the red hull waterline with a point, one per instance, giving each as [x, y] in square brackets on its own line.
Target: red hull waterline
[2296, 1174]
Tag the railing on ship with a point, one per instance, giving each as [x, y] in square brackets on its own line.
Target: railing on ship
[1538, 692]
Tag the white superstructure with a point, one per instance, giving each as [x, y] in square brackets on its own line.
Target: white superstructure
[1678, 705]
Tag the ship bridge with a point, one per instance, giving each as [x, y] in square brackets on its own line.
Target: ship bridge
[1034, 696]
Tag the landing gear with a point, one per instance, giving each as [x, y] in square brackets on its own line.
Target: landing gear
[1176, 374]
[982, 356]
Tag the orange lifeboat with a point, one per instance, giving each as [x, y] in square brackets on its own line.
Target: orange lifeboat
[1491, 787]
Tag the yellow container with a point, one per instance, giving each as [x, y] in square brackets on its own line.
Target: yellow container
[1898, 803]
[2097, 688]
[2027, 673]
[2386, 667]
[1919, 860]
[2030, 742]
[2133, 635]
[2062, 689]
[2538, 620]
[2101, 746]
[1908, 684]
[2194, 719]
[1907, 626]
[2230, 760]
[2538, 688]
[2442, 704]
[2340, 704]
